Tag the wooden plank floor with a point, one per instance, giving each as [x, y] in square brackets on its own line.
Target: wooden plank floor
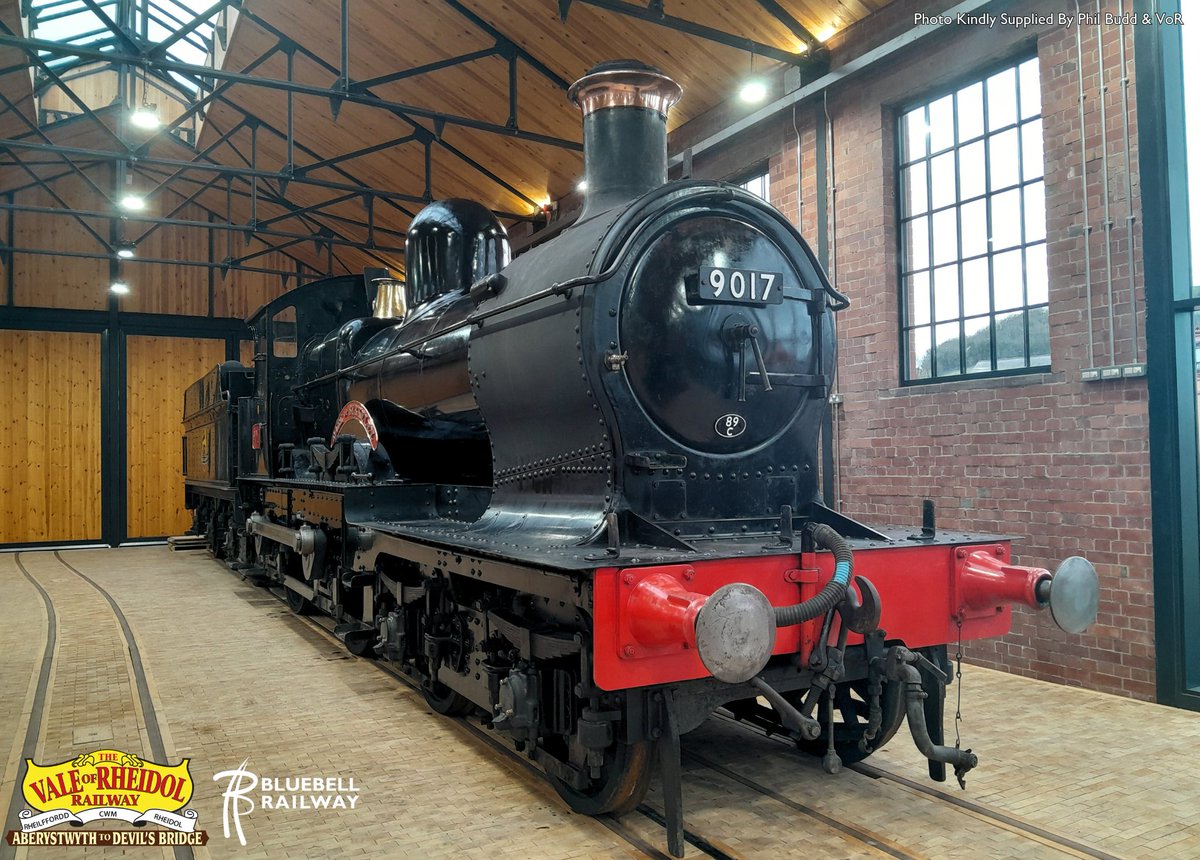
[232, 676]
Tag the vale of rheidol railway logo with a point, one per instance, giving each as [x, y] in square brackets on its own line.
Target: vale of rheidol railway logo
[107, 785]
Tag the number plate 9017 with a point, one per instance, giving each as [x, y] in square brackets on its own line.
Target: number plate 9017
[739, 286]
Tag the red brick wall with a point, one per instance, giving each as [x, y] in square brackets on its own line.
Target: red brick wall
[1059, 464]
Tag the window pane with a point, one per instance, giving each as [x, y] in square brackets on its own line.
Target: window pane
[974, 228]
[978, 345]
[976, 287]
[949, 362]
[920, 365]
[759, 186]
[1003, 163]
[1032, 161]
[945, 293]
[283, 333]
[945, 236]
[941, 174]
[941, 124]
[1006, 219]
[917, 289]
[916, 193]
[1031, 90]
[914, 134]
[1039, 336]
[971, 174]
[1037, 286]
[1002, 99]
[1010, 340]
[970, 112]
[916, 241]
[1007, 280]
[1035, 212]
[1190, 36]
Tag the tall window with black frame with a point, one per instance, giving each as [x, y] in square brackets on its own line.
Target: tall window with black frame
[972, 206]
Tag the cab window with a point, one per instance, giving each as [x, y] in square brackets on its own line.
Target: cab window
[283, 334]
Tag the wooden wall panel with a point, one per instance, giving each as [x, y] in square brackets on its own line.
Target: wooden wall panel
[163, 288]
[95, 84]
[158, 369]
[49, 437]
[60, 281]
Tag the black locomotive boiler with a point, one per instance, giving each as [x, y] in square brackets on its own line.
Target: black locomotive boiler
[576, 492]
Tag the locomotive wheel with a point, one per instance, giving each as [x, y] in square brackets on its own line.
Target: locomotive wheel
[445, 701]
[626, 776]
[298, 603]
[851, 709]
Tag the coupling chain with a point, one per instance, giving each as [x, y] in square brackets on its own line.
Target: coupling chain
[958, 657]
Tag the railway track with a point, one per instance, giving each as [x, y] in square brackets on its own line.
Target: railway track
[709, 845]
[42, 696]
[1034, 833]
[528, 769]
[638, 832]
[853, 834]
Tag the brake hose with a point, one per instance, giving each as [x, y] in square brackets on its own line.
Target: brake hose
[834, 591]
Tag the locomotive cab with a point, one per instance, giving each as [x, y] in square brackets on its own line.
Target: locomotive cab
[283, 329]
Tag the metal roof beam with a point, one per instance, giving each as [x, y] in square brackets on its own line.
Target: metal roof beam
[654, 15]
[267, 250]
[784, 17]
[438, 65]
[63, 210]
[160, 50]
[401, 112]
[207, 185]
[36, 130]
[224, 138]
[201, 264]
[205, 167]
[237, 192]
[487, 27]
[33, 46]
[358, 153]
[312, 208]
[208, 99]
[44, 180]
[112, 26]
[193, 39]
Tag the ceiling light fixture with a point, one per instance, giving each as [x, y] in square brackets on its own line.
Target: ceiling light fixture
[133, 202]
[126, 250]
[119, 288]
[581, 185]
[146, 117]
[753, 91]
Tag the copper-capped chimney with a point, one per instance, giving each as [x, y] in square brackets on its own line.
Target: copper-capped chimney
[625, 105]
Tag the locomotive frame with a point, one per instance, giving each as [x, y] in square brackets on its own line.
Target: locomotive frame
[594, 582]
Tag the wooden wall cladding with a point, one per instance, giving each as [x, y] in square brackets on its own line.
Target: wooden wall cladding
[60, 281]
[158, 369]
[50, 439]
[64, 281]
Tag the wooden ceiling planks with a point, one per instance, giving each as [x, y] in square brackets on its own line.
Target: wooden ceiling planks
[386, 36]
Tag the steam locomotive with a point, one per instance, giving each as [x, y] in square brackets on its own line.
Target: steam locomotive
[575, 493]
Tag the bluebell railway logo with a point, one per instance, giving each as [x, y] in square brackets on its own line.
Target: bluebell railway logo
[107, 785]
